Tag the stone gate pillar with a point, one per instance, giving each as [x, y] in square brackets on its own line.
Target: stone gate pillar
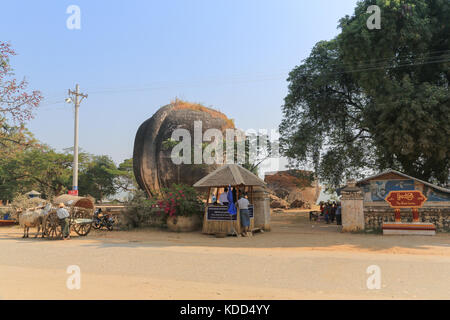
[261, 203]
[352, 202]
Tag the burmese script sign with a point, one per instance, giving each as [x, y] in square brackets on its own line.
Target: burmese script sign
[406, 199]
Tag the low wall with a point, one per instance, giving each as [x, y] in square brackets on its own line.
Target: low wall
[374, 216]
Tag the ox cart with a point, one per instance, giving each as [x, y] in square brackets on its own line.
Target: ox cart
[81, 212]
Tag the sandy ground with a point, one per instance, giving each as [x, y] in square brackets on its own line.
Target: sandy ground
[296, 260]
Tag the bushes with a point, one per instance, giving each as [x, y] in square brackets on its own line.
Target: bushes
[142, 211]
[181, 200]
[178, 200]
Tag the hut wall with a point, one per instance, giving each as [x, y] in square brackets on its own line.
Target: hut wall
[215, 227]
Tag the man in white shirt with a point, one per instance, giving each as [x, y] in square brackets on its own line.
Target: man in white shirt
[243, 204]
[63, 216]
[223, 198]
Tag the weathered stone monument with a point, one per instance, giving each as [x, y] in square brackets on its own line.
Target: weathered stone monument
[152, 162]
[352, 208]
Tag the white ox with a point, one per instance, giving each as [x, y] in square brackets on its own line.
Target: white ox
[34, 218]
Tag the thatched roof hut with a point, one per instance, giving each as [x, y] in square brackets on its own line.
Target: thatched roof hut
[230, 174]
[74, 201]
[217, 220]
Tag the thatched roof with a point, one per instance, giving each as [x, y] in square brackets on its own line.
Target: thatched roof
[230, 174]
[74, 201]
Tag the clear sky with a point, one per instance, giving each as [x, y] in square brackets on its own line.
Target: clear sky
[133, 57]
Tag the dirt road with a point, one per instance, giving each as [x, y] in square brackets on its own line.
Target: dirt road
[296, 260]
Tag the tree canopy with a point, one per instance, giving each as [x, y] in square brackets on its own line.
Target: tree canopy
[50, 172]
[374, 99]
[16, 103]
[25, 164]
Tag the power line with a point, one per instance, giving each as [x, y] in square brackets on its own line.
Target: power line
[431, 57]
[202, 83]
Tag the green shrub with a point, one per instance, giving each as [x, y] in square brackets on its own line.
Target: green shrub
[177, 201]
[142, 212]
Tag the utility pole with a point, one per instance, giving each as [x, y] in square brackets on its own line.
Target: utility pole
[75, 98]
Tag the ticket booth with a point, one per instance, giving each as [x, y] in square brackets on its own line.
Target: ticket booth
[217, 219]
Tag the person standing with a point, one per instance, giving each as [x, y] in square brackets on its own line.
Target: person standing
[243, 204]
[223, 198]
[326, 212]
[63, 216]
[333, 212]
[339, 214]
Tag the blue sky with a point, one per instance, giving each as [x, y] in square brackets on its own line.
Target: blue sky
[133, 57]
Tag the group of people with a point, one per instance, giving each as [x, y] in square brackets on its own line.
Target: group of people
[223, 197]
[331, 211]
[241, 202]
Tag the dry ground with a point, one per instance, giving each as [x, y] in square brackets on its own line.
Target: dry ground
[296, 260]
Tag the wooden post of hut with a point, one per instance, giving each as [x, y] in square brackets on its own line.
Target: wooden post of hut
[216, 218]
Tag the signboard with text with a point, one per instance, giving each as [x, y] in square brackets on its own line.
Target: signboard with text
[73, 192]
[405, 199]
[220, 213]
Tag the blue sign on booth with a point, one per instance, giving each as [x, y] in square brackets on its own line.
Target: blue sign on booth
[220, 213]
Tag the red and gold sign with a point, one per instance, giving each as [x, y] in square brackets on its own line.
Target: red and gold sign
[406, 199]
[73, 192]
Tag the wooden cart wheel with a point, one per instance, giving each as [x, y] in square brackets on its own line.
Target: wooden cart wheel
[84, 228]
[52, 227]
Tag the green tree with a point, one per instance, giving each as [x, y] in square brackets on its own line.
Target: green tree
[14, 139]
[97, 177]
[373, 99]
[41, 169]
[16, 107]
[125, 179]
